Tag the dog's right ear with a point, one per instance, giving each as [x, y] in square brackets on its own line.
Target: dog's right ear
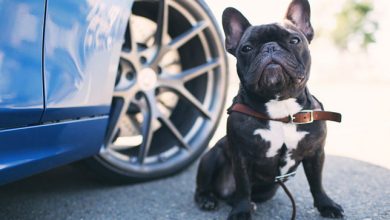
[234, 25]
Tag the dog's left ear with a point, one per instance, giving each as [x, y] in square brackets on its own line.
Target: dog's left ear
[298, 13]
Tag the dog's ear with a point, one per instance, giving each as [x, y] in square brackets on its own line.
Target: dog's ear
[234, 26]
[298, 13]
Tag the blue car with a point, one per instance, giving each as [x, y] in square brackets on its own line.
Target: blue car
[132, 89]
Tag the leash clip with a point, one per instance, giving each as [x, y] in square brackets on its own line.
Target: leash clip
[285, 177]
[311, 119]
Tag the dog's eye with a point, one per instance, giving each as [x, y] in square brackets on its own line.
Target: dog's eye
[246, 48]
[295, 40]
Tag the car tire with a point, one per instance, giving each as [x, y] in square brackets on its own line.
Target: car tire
[169, 93]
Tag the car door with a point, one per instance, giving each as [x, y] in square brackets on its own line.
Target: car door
[82, 41]
[21, 86]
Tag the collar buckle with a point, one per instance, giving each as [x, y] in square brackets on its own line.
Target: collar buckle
[311, 119]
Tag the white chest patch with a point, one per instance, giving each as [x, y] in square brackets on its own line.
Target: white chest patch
[280, 109]
[280, 133]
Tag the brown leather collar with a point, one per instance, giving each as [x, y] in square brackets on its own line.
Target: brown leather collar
[302, 117]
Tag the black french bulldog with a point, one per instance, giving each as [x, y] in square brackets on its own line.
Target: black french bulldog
[273, 64]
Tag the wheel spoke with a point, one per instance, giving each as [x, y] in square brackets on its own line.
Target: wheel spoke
[127, 38]
[131, 57]
[123, 87]
[194, 101]
[147, 126]
[194, 72]
[187, 36]
[133, 44]
[129, 42]
[126, 55]
[147, 53]
[117, 111]
[120, 94]
[111, 135]
[168, 123]
[178, 88]
[162, 23]
[126, 93]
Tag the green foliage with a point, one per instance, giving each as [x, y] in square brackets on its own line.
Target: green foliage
[354, 24]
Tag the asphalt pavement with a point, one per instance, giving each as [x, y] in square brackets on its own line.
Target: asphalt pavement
[67, 193]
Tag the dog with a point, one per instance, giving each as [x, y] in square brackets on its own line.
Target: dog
[273, 65]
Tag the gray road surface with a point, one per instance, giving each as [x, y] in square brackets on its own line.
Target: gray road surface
[66, 193]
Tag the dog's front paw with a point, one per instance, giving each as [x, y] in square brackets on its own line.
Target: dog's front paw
[240, 216]
[206, 202]
[242, 210]
[330, 209]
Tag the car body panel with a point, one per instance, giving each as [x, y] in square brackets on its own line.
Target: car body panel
[61, 115]
[21, 88]
[28, 150]
[82, 41]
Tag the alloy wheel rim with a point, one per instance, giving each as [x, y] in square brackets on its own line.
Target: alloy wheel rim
[140, 80]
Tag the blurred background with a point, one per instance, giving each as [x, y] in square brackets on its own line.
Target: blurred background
[350, 70]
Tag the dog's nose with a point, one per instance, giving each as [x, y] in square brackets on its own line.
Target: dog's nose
[270, 47]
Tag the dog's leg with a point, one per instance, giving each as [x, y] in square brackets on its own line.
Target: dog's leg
[208, 168]
[241, 202]
[313, 170]
[264, 192]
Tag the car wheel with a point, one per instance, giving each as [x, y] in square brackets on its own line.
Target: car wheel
[169, 92]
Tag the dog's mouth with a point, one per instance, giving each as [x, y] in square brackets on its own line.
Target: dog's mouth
[273, 75]
[273, 68]
[272, 63]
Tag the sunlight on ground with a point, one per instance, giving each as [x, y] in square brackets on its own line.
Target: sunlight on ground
[355, 83]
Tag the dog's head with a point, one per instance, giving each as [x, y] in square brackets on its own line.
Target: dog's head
[273, 60]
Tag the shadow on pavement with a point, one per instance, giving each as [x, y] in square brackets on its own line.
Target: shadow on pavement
[68, 193]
